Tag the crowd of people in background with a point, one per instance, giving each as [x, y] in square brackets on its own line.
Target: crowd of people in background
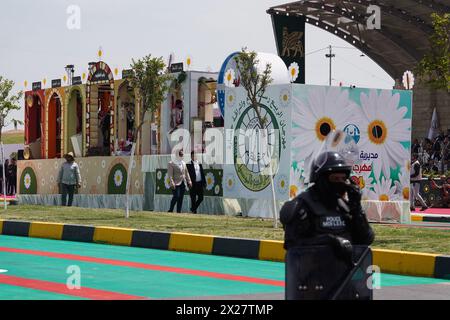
[10, 166]
[433, 154]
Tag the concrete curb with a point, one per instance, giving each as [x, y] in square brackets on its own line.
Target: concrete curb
[390, 261]
[439, 219]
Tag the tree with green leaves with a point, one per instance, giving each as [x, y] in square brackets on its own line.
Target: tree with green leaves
[255, 84]
[435, 65]
[150, 82]
[8, 102]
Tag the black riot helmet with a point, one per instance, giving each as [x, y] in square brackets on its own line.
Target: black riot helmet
[338, 153]
[329, 162]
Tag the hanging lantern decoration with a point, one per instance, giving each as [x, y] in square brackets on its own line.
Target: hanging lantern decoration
[44, 81]
[100, 53]
[25, 84]
[116, 71]
[188, 61]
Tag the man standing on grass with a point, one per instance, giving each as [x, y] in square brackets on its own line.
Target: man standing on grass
[69, 177]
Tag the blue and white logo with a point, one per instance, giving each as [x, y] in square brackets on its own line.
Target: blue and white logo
[353, 131]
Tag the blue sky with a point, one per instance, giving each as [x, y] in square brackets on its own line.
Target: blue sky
[35, 42]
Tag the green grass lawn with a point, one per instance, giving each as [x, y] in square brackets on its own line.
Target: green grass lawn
[13, 138]
[387, 237]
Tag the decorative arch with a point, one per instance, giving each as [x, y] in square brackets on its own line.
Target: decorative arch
[31, 118]
[120, 85]
[99, 73]
[71, 89]
[81, 89]
[48, 97]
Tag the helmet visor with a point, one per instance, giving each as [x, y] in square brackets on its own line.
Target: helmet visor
[340, 142]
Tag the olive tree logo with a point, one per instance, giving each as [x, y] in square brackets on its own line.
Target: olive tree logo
[254, 151]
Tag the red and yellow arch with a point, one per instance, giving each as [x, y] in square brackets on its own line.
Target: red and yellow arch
[99, 74]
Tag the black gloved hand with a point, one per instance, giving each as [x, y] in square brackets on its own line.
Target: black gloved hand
[354, 195]
[343, 248]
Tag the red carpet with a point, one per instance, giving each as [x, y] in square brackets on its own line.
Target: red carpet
[438, 211]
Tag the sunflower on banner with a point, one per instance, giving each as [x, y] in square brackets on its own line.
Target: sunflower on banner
[384, 128]
[315, 115]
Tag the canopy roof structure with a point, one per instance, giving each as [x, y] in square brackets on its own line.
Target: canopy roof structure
[399, 43]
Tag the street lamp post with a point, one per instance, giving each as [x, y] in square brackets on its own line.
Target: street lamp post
[330, 56]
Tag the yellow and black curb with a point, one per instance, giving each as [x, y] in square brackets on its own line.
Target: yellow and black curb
[423, 218]
[389, 261]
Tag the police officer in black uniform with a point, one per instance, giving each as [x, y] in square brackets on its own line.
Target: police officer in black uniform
[321, 226]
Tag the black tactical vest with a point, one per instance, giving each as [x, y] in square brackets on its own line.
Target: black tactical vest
[324, 220]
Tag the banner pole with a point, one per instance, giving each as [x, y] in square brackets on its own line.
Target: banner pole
[130, 168]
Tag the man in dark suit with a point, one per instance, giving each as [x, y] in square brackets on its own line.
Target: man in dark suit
[198, 179]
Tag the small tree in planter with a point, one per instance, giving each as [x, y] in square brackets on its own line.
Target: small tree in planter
[150, 82]
[255, 84]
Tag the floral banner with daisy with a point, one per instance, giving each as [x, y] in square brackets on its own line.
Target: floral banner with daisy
[99, 175]
[379, 121]
[259, 137]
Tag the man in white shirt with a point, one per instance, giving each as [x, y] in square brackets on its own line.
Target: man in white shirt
[198, 179]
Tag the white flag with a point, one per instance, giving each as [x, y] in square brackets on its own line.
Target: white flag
[434, 128]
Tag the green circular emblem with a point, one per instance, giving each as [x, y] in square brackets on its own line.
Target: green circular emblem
[117, 180]
[28, 182]
[254, 149]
